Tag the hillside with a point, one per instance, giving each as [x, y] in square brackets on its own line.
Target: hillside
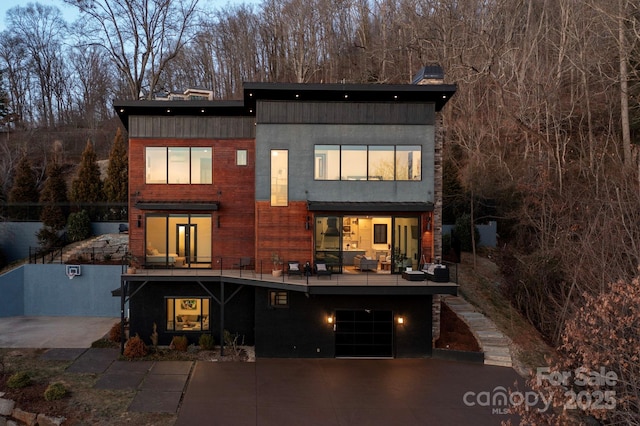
[480, 285]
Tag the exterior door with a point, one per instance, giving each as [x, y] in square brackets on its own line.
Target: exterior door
[186, 240]
[406, 243]
[364, 334]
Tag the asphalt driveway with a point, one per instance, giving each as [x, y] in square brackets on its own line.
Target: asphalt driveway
[346, 392]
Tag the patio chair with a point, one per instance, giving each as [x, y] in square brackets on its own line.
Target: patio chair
[322, 270]
[294, 269]
[245, 263]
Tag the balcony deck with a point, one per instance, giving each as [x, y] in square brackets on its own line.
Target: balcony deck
[345, 283]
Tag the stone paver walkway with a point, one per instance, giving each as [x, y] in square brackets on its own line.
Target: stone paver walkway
[492, 341]
[159, 385]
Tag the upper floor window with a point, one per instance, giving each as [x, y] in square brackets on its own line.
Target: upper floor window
[241, 157]
[279, 177]
[179, 165]
[368, 162]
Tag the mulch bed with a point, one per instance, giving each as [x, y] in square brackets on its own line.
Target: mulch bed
[31, 398]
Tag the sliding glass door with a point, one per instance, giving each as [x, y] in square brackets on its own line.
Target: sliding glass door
[178, 240]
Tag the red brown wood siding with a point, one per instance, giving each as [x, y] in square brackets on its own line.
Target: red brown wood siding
[282, 230]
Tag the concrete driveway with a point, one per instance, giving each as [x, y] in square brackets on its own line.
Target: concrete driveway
[53, 332]
[328, 392]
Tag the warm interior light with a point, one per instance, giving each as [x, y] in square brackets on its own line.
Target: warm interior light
[400, 320]
[330, 319]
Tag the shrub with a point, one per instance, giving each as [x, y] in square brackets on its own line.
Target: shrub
[179, 343]
[55, 391]
[135, 348]
[79, 226]
[19, 380]
[115, 334]
[206, 342]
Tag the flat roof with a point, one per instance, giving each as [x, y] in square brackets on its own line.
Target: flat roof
[332, 92]
[325, 92]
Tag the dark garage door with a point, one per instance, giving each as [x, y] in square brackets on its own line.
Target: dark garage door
[364, 333]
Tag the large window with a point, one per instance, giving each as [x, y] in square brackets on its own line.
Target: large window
[279, 177]
[188, 314]
[179, 165]
[368, 162]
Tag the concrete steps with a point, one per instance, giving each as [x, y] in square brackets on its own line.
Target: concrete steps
[492, 341]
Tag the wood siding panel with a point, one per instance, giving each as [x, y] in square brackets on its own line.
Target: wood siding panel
[191, 127]
[282, 230]
[285, 112]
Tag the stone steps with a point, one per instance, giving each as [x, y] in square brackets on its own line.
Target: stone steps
[492, 341]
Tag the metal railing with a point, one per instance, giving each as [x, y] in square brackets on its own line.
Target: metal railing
[264, 271]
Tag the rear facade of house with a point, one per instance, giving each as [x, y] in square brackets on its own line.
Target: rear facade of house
[345, 178]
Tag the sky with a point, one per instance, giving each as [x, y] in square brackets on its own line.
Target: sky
[70, 14]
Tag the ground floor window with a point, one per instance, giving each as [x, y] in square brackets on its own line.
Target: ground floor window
[187, 314]
[278, 299]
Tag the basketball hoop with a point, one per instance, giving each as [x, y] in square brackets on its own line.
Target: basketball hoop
[72, 271]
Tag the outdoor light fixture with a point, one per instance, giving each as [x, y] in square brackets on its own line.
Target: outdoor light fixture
[139, 220]
[428, 223]
[218, 221]
[400, 320]
[329, 319]
[307, 224]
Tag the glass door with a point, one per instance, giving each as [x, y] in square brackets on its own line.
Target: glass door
[186, 243]
[406, 243]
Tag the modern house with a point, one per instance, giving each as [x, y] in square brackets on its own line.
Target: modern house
[338, 187]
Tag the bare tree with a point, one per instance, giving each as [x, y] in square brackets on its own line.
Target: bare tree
[39, 30]
[141, 36]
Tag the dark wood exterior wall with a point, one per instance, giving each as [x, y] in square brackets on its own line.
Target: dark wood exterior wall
[278, 332]
[282, 112]
[190, 127]
[233, 187]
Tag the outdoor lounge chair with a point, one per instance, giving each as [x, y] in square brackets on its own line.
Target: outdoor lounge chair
[322, 270]
[294, 269]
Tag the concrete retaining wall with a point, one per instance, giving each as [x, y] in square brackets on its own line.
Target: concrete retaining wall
[35, 290]
[12, 293]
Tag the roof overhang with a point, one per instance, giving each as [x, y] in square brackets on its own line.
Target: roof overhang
[125, 109]
[369, 207]
[178, 205]
[404, 93]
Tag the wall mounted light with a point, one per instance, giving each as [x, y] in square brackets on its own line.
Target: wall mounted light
[329, 319]
[400, 320]
[218, 221]
[428, 223]
[139, 220]
[307, 224]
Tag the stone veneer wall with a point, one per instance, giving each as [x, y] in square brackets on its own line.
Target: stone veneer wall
[437, 215]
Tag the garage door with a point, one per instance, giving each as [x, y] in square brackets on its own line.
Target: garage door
[364, 333]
